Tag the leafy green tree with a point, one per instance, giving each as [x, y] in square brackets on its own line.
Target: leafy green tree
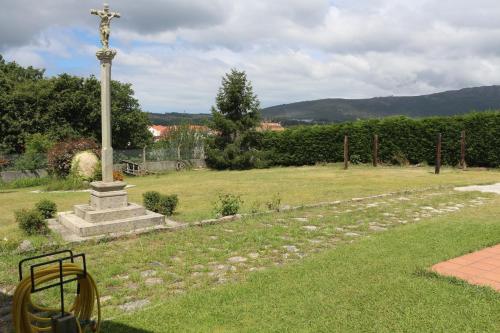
[15, 83]
[182, 140]
[35, 154]
[64, 107]
[235, 116]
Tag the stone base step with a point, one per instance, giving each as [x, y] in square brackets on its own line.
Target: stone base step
[84, 228]
[91, 215]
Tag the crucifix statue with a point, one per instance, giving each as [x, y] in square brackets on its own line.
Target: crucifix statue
[106, 17]
[106, 55]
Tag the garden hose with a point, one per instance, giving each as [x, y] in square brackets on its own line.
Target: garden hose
[82, 308]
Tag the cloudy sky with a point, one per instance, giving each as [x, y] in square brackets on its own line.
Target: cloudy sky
[175, 52]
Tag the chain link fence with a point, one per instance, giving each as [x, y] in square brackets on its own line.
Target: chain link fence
[18, 162]
[148, 159]
[155, 154]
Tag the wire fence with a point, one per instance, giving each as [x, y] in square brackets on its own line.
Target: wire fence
[152, 154]
[19, 162]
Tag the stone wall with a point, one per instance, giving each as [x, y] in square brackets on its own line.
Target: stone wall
[172, 165]
[167, 165]
[9, 176]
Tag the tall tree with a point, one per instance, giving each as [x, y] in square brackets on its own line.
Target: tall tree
[185, 141]
[235, 116]
[64, 106]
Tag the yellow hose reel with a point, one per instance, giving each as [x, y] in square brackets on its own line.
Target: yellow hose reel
[32, 318]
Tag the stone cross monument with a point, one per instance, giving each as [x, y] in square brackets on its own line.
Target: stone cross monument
[106, 194]
[109, 210]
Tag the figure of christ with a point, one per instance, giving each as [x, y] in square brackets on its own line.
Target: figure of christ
[104, 28]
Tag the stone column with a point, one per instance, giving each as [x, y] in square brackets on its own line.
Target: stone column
[107, 194]
[106, 56]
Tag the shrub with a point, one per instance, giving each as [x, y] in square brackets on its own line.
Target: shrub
[355, 159]
[25, 182]
[35, 154]
[232, 157]
[61, 155]
[3, 163]
[255, 207]
[399, 159]
[97, 176]
[227, 204]
[167, 204]
[274, 203]
[71, 183]
[31, 221]
[31, 161]
[151, 200]
[117, 176]
[160, 203]
[47, 208]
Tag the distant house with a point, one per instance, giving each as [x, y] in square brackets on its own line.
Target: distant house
[157, 131]
[267, 126]
[160, 131]
[193, 128]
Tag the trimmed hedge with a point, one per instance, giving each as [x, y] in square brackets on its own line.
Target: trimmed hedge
[413, 139]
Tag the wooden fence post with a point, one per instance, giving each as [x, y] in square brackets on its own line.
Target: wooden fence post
[143, 171]
[375, 150]
[438, 155]
[462, 151]
[346, 152]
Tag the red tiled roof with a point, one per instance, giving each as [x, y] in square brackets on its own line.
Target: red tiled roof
[265, 126]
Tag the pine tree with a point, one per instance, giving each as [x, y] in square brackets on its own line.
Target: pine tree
[235, 116]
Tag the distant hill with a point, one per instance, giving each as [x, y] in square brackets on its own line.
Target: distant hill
[175, 118]
[336, 110]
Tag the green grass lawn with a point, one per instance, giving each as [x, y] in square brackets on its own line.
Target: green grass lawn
[198, 190]
[378, 284]
[358, 266]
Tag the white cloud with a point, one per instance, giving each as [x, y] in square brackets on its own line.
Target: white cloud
[175, 52]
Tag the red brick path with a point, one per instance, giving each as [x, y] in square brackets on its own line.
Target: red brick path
[479, 268]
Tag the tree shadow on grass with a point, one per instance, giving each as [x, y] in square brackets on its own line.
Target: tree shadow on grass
[5, 309]
[107, 326]
[112, 327]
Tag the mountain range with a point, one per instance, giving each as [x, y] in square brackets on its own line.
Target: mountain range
[330, 110]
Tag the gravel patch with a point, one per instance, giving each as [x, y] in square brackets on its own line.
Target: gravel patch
[495, 188]
[235, 260]
[134, 306]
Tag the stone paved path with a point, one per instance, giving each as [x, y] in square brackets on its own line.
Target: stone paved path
[478, 268]
[495, 188]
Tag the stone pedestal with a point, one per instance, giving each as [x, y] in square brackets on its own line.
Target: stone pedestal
[108, 195]
[85, 222]
[108, 212]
